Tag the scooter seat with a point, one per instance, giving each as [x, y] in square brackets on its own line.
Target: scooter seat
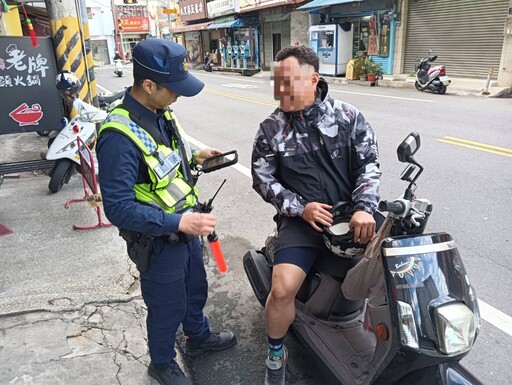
[336, 266]
[107, 99]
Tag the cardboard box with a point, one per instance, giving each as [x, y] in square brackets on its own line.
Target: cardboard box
[353, 69]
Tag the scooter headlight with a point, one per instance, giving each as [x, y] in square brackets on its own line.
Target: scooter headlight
[408, 334]
[456, 327]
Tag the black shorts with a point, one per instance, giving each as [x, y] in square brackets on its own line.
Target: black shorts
[303, 257]
[300, 244]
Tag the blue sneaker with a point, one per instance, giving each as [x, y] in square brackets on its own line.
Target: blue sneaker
[276, 368]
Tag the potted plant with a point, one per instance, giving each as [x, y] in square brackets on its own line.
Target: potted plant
[373, 69]
[364, 69]
[358, 70]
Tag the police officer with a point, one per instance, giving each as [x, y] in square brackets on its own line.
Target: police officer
[149, 194]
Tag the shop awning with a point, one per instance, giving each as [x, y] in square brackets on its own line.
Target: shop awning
[315, 4]
[226, 24]
[244, 22]
[191, 27]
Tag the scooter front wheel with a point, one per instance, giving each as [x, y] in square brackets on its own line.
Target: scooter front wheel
[418, 87]
[61, 173]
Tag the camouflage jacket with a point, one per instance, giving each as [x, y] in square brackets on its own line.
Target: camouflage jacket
[326, 153]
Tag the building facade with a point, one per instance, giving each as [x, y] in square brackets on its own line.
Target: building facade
[469, 37]
[102, 30]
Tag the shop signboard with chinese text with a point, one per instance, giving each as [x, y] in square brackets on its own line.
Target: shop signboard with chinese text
[134, 24]
[192, 10]
[30, 100]
[218, 8]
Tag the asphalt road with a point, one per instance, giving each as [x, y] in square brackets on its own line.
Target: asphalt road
[467, 154]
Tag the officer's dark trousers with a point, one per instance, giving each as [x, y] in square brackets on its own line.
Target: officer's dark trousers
[174, 289]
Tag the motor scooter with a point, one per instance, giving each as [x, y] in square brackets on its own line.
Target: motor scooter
[403, 313]
[118, 67]
[431, 78]
[207, 65]
[62, 146]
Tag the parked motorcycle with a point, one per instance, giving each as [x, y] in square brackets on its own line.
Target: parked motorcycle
[207, 65]
[63, 146]
[402, 314]
[118, 67]
[431, 78]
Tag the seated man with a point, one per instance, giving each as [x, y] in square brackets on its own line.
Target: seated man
[310, 153]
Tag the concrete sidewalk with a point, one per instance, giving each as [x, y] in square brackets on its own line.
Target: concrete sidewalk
[70, 305]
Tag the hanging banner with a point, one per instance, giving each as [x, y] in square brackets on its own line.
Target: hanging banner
[30, 100]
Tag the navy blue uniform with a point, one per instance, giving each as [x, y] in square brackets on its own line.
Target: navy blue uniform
[174, 287]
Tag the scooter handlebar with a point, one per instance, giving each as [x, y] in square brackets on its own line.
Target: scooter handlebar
[396, 207]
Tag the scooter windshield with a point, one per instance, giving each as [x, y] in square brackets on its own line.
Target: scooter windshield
[425, 271]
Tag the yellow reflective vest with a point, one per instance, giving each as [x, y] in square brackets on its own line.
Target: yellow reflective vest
[172, 193]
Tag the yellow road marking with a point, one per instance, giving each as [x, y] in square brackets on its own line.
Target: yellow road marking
[477, 146]
[239, 97]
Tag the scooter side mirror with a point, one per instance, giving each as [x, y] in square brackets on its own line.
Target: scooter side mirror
[408, 147]
[432, 58]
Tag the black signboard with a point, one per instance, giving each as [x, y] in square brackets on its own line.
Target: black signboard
[29, 100]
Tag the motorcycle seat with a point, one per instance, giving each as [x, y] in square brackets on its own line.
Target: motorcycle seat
[107, 99]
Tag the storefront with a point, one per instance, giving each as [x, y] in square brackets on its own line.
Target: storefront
[276, 35]
[235, 35]
[372, 22]
[193, 32]
[194, 46]
[470, 49]
[132, 23]
[100, 52]
[192, 38]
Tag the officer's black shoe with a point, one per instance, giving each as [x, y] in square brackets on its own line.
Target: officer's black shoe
[216, 342]
[169, 375]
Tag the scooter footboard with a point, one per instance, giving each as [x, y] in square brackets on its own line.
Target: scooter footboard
[259, 273]
[449, 373]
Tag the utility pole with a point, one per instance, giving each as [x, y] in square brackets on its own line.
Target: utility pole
[87, 50]
[67, 40]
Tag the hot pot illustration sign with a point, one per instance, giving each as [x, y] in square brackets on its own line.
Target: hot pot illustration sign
[27, 116]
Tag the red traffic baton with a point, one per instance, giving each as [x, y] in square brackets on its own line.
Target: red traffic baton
[217, 252]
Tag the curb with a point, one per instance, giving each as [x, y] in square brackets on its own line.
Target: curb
[504, 93]
[499, 92]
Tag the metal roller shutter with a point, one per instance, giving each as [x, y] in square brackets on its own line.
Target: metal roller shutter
[467, 35]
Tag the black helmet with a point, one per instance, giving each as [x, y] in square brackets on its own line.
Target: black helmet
[68, 85]
[339, 238]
